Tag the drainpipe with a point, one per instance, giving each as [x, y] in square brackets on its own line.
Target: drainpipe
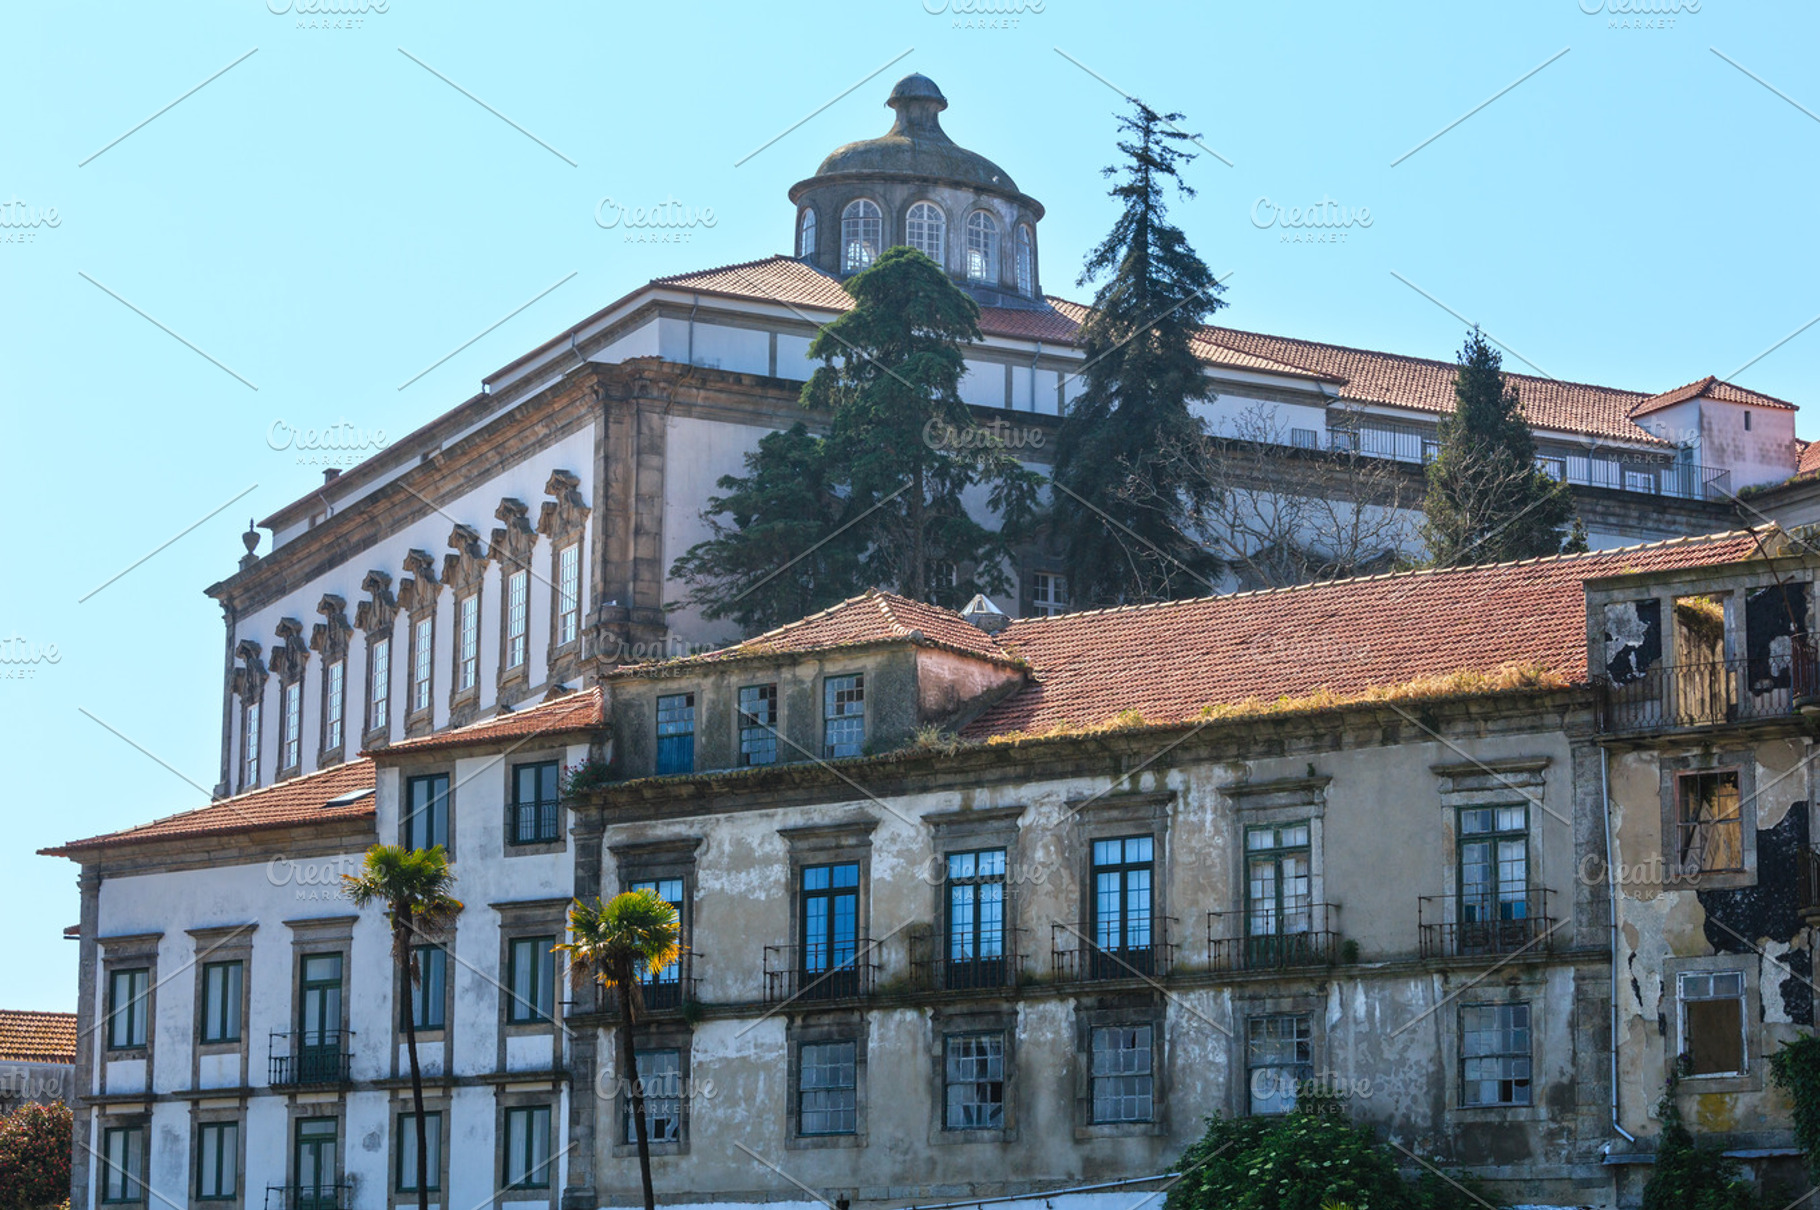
[693, 307]
[1612, 885]
[1034, 358]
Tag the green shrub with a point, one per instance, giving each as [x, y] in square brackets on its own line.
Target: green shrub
[1689, 1175]
[34, 1157]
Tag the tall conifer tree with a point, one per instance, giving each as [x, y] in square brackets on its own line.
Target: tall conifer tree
[1127, 516]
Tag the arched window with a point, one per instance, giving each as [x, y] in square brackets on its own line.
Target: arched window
[1026, 262]
[862, 230]
[925, 229]
[805, 233]
[982, 247]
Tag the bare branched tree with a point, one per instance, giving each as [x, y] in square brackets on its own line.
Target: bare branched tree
[1282, 513]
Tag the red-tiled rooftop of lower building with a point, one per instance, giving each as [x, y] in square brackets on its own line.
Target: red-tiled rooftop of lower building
[582, 710]
[300, 800]
[875, 616]
[33, 1037]
[1169, 662]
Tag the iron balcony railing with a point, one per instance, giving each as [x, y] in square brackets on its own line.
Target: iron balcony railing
[1459, 926]
[1269, 940]
[309, 1197]
[671, 988]
[944, 971]
[847, 970]
[1711, 693]
[1807, 888]
[310, 1056]
[1075, 957]
[1413, 443]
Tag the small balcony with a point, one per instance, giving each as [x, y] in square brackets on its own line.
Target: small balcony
[309, 1197]
[1456, 926]
[1712, 693]
[1257, 941]
[845, 971]
[1076, 958]
[1807, 886]
[1009, 968]
[309, 1057]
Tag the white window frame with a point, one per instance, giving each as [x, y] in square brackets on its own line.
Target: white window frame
[982, 247]
[568, 594]
[862, 234]
[1742, 996]
[379, 688]
[926, 230]
[335, 695]
[1026, 261]
[805, 232]
[518, 618]
[423, 662]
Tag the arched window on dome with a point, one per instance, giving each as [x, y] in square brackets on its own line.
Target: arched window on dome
[925, 228]
[862, 230]
[1026, 262]
[982, 247]
[805, 233]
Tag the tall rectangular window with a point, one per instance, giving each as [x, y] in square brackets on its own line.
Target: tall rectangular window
[123, 1164]
[1494, 1054]
[973, 1082]
[406, 1181]
[830, 928]
[518, 618]
[379, 691]
[757, 725]
[334, 704]
[1711, 823]
[128, 1005]
[1279, 1059]
[217, 1161]
[663, 987]
[676, 733]
[827, 1088]
[535, 809]
[222, 983]
[568, 594]
[467, 640]
[1122, 907]
[528, 1147]
[976, 919]
[426, 811]
[530, 980]
[1494, 875]
[1711, 1004]
[660, 1080]
[423, 657]
[844, 715]
[1121, 1070]
[427, 995]
[249, 745]
[1279, 898]
[292, 755]
[1048, 593]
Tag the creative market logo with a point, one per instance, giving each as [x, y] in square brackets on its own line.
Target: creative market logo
[21, 222]
[328, 14]
[20, 657]
[668, 222]
[1325, 222]
[1639, 14]
[983, 14]
[340, 444]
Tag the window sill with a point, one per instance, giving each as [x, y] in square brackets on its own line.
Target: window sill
[1117, 1130]
[818, 1142]
[536, 848]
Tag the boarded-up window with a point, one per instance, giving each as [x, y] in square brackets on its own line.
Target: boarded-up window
[1633, 639]
[1712, 1022]
[1710, 822]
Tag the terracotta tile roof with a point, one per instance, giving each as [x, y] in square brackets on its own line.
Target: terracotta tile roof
[27, 1037]
[583, 710]
[1362, 375]
[1169, 661]
[1810, 458]
[1711, 388]
[875, 616]
[299, 800]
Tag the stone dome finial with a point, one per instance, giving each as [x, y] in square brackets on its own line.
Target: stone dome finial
[917, 100]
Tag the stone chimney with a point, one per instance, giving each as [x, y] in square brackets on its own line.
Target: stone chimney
[981, 612]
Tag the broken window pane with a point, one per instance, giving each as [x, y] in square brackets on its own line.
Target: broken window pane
[1712, 1022]
[1711, 824]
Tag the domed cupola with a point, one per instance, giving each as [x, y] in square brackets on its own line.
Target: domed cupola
[914, 185]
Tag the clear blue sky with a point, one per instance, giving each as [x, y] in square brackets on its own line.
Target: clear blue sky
[328, 218]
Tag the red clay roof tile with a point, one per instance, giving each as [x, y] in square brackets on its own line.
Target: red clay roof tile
[30, 1037]
[582, 710]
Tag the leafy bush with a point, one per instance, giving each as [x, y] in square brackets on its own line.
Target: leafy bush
[1313, 1159]
[35, 1157]
[1689, 1175]
[1796, 1070]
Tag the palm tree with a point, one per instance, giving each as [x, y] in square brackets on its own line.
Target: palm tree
[413, 884]
[618, 943]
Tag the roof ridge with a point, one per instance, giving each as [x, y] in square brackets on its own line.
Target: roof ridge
[1391, 575]
[744, 264]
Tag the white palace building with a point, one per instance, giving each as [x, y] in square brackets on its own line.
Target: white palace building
[434, 635]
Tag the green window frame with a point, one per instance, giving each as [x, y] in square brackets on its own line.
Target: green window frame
[427, 997]
[528, 1159]
[123, 1165]
[405, 1179]
[128, 1009]
[222, 985]
[217, 1161]
[530, 980]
